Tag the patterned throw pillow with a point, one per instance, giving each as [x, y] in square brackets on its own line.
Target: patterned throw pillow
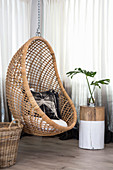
[48, 102]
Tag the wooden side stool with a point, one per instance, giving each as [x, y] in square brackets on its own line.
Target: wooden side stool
[91, 127]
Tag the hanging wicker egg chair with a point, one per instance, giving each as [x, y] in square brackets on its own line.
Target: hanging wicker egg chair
[34, 66]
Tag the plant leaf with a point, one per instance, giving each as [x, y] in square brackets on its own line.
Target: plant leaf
[97, 83]
[79, 70]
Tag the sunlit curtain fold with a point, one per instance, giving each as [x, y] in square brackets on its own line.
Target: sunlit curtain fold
[14, 31]
[81, 34]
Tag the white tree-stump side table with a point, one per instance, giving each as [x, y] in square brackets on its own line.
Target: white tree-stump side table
[91, 127]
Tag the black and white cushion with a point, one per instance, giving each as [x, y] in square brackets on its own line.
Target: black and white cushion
[48, 102]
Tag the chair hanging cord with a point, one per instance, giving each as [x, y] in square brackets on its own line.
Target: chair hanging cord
[38, 29]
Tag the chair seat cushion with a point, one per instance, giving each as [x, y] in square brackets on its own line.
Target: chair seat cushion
[60, 122]
[36, 121]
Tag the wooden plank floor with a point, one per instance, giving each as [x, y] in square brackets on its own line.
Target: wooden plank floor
[43, 153]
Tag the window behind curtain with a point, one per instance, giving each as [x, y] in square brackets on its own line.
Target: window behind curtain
[81, 34]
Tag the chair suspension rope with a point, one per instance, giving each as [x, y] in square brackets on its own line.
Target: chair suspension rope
[38, 29]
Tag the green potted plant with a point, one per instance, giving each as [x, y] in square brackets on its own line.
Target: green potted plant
[93, 83]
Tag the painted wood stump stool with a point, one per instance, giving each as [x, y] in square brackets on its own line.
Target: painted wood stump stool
[91, 127]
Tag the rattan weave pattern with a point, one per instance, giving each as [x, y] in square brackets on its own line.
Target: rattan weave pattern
[9, 139]
[34, 66]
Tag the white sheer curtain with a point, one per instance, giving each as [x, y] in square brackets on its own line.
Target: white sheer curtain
[81, 34]
[14, 31]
